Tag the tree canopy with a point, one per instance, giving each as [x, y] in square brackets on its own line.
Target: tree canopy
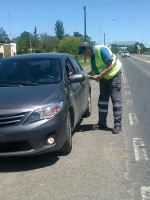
[59, 29]
[3, 36]
[34, 42]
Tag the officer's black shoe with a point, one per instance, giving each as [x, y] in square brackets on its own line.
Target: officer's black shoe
[117, 129]
[103, 127]
[95, 127]
[100, 127]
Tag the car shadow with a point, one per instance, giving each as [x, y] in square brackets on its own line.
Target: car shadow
[17, 164]
[25, 163]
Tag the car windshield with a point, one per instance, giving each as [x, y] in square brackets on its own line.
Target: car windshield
[30, 71]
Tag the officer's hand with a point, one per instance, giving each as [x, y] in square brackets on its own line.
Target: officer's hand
[97, 77]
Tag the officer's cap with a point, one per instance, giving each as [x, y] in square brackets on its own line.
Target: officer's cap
[83, 47]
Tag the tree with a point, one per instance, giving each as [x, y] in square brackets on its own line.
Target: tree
[59, 30]
[3, 36]
[88, 39]
[114, 48]
[70, 45]
[35, 31]
[137, 48]
[22, 46]
[133, 49]
[77, 34]
[48, 43]
[24, 43]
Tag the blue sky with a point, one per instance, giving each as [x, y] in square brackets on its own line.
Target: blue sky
[131, 18]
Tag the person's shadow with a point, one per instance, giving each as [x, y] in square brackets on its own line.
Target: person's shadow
[88, 127]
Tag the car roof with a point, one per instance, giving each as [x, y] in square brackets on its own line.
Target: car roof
[39, 55]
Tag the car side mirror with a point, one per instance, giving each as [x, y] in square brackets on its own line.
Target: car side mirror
[75, 78]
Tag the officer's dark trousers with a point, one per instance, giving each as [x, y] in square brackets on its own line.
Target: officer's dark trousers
[110, 88]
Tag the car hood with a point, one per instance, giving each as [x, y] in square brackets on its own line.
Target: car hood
[28, 96]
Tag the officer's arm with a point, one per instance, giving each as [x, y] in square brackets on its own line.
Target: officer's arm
[108, 68]
[107, 59]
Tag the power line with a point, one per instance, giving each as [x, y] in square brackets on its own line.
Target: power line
[114, 3]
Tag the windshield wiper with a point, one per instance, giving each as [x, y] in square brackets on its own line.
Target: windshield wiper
[26, 83]
[13, 84]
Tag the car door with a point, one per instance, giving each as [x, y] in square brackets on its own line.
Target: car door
[84, 89]
[74, 90]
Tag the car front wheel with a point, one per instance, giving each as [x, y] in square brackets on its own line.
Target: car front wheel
[67, 147]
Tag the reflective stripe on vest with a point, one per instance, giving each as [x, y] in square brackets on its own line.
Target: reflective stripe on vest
[101, 65]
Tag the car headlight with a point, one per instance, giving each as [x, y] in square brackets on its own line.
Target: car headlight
[47, 112]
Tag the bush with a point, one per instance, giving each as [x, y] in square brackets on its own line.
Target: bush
[70, 44]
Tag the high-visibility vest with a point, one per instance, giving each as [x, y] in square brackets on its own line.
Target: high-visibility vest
[101, 65]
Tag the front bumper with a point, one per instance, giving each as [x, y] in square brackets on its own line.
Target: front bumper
[25, 140]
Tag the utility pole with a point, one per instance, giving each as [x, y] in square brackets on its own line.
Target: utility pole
[100, 34]
[104, 38]
[84, 23]
[30, 43]
[84, 28]
[9, 24]
[101, 29]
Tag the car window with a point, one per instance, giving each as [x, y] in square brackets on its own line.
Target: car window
[41, 71]
[78, 69]
[69, 69]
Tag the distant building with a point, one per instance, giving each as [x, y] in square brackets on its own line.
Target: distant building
[7, 50]
[124, 43]
[139, 49]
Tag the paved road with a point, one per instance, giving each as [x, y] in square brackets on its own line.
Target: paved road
[136, 81]
[101, 166]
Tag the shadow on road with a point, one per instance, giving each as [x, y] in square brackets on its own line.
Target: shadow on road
[84, 127]
[88, 127]
[17, 164]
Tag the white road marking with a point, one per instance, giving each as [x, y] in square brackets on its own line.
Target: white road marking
[124, 77]
[133, 119]
[126, 86]
[127, 93]
[139, 146]
[139, 149]
[129, 102]
[145, 193]
[141, 59]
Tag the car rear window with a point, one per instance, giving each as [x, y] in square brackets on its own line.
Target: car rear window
[40, 71]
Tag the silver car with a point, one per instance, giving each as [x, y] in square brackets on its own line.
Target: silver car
[125, 54]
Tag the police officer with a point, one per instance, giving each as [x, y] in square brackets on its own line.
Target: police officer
[105, 68]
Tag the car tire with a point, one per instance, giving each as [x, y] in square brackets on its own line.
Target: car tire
[89, 107]
[67, 147]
